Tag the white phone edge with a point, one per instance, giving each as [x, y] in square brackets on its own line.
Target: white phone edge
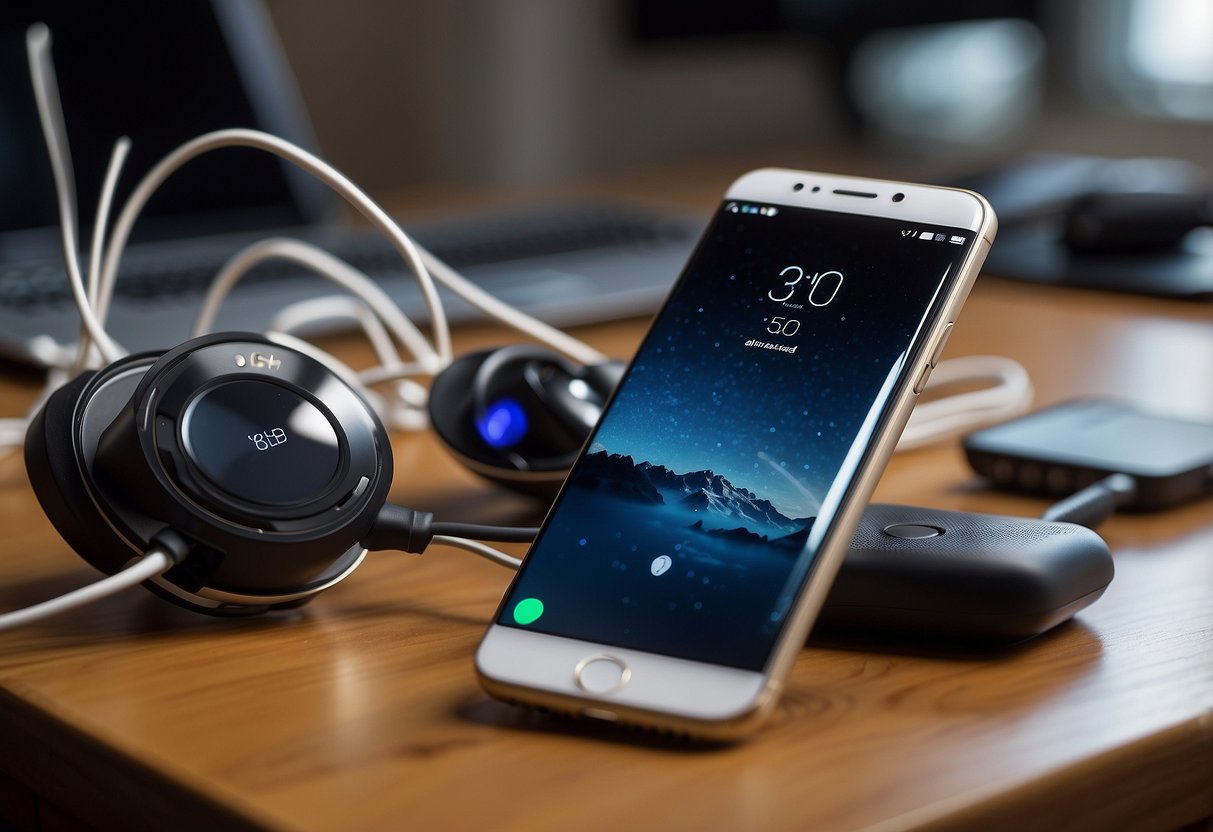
[715, 701]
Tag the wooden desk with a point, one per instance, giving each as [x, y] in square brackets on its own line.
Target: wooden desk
[361, 710]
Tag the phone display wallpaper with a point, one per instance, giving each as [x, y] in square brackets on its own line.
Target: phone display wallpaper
[683, 530]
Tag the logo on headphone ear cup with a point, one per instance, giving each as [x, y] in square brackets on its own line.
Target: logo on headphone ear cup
[274, 470]
[519, 415]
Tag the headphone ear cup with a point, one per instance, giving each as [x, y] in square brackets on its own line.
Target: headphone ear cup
[155, 442]
[522, 426]
[52, 462]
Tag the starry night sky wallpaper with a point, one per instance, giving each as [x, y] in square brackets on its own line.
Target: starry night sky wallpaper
[728, 430]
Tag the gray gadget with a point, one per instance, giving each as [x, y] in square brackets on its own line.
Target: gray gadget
[1059, 450]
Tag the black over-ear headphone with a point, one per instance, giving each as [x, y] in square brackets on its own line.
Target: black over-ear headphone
[265, 466]
[266, 475]
[518, 415]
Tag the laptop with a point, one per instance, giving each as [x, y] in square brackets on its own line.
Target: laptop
[163, 73]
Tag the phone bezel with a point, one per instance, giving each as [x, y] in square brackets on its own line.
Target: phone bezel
[727, 702]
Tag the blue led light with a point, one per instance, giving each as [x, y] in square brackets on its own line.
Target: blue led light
[503, 424]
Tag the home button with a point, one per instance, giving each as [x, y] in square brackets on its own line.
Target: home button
[601, 674]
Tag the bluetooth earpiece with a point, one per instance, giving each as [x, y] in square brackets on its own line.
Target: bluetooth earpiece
[269, 466]
[518, 415]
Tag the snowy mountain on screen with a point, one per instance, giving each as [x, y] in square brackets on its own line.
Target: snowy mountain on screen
[705, 496]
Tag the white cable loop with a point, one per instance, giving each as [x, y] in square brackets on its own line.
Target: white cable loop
[156, 562]
[122, 147]
[508, 315]
[1010, 395]
[300, 315]
[239, 137]
[50, 114]
[333, 269]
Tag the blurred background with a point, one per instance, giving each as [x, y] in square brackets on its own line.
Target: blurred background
[1087, 123]
[528, 92]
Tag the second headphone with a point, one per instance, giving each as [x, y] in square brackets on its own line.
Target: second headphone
[518, 415]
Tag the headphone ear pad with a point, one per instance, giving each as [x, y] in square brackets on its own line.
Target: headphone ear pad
[53, 466]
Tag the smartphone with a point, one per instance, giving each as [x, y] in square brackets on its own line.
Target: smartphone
[681, 565]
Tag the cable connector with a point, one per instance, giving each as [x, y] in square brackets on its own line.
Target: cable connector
[404, 529]
[172, 543]
[1093, 504]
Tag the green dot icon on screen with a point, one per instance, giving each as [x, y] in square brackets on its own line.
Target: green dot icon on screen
[528, 610]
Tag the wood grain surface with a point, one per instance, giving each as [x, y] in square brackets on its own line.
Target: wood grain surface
[361, 710]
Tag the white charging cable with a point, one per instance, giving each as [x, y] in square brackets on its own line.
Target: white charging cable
[50, 114]
[334, 269]
[155, 562]
[476, 547]
[1008, 393]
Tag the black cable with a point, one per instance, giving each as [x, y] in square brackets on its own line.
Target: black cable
[502, 534]
[397, 527]
[1092, 505]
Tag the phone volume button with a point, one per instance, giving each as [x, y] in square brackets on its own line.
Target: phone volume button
[943, 342]
[923, 375]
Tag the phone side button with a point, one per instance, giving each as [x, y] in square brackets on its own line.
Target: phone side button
[943, 342]
[601, 674]
[923, 375]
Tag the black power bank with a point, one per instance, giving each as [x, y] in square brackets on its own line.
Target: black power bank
[961, 577]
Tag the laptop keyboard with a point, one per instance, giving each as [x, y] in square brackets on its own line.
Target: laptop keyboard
[479, 240]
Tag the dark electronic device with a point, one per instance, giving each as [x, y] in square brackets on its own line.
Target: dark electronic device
[910, 572]
[1128, 225]
[967, 578]
[268, 471]
[518, 415]
[1056, 451]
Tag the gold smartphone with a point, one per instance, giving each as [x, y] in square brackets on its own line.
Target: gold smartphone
[680, 568]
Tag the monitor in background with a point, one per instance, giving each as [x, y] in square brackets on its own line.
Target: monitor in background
[163, 73]
[160, 73]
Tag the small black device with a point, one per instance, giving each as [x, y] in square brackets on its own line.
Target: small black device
[518, 415]
[966, 578]
[1059, 450]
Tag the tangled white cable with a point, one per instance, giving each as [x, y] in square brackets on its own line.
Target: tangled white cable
[379, 317]
[386, 327]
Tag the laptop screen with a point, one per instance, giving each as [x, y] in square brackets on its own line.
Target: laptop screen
[160, 73]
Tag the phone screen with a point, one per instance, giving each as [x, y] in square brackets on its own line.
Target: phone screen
[694, 516]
